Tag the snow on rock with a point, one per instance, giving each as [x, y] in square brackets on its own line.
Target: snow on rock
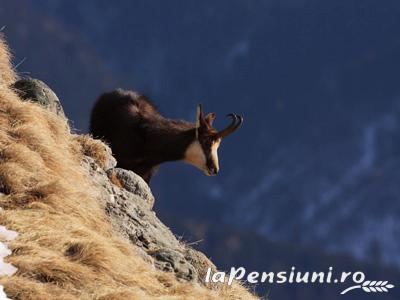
[6, 269]
[3, 295]
[7, 235]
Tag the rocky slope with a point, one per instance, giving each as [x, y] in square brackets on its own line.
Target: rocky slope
[86, 230]
[317, 82]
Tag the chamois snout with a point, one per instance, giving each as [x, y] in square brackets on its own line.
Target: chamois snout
[212, 164]
[212, 171]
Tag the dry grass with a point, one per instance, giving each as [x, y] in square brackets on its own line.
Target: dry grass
[96, 149]
[66, 248]
[7, 75]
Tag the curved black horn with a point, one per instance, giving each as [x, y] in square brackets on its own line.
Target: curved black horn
[235, 124]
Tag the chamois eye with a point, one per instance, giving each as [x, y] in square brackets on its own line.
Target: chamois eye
[209, 142]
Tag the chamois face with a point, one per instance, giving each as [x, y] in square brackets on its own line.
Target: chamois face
[210, 146]
[203, 154]
[203, 151]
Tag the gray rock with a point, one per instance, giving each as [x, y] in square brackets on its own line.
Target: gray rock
[132, 216]
[36, 90]
[133, 183]
[128, 201]
[111, 161]
[173, 261]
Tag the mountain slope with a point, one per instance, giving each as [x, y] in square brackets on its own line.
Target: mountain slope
[316, 161]
[67, 245]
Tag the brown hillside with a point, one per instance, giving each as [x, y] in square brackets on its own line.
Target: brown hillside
[68, 246]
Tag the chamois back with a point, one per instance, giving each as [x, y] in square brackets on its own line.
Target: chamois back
[123, 119]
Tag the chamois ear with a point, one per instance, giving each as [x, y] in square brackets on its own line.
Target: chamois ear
[210, 118]
[199, 113]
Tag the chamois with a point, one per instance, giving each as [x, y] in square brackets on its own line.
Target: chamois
[141, 139]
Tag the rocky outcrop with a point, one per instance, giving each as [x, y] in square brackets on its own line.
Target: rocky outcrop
[86, 229]
[36, 90]
[127, 200]
[131, 183]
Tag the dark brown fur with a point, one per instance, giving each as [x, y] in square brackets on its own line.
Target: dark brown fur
[140, 138]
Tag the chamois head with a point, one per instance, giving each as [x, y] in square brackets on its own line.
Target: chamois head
[203, 151]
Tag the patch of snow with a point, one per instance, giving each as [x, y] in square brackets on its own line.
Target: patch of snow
[3, 295]
[6, 269]
[6, 234]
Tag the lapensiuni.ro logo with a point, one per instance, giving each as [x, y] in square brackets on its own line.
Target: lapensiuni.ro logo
[358, 279]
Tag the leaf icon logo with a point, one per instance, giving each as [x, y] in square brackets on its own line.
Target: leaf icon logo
[371, 287]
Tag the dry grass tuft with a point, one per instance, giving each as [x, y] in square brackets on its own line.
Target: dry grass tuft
[93, 148]
[66, 247]
[7, 75]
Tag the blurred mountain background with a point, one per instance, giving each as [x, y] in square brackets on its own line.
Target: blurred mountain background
[312, 178]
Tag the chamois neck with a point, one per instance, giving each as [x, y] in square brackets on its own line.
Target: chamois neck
[173, 138]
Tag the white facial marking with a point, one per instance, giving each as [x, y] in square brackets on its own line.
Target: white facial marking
[194, 155]
[214, 153]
